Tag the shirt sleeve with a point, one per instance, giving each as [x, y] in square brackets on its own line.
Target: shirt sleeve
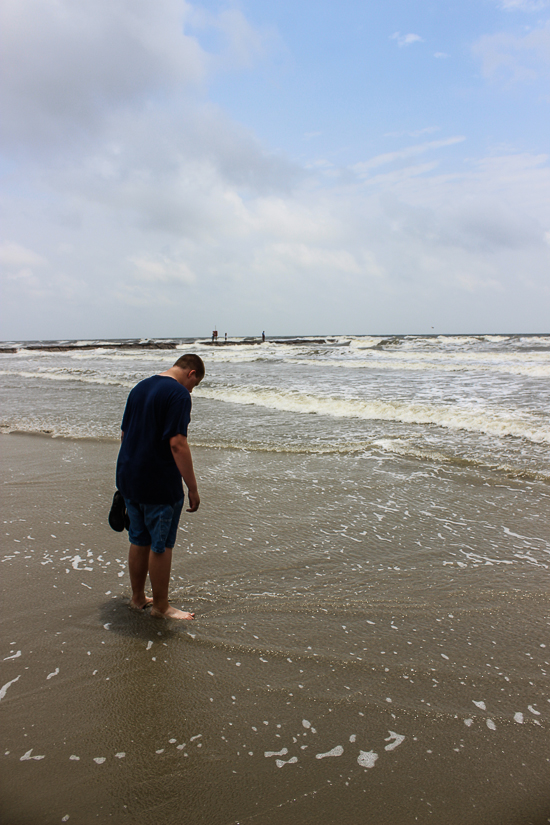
[126, 416]
[178, 414]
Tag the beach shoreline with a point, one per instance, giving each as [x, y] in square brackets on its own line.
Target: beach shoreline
[265, 688]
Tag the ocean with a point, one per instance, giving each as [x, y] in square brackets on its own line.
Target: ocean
[369, 570]
[481, 401]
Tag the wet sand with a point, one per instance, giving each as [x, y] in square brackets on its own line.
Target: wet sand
[418, 697]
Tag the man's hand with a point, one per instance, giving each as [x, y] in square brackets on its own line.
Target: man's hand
[182, 457]
[194, 500]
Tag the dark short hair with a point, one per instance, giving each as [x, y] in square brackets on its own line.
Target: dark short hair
[190, 361]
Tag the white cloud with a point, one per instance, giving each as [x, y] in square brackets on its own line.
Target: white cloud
[388, 180]
[405, 241]
[416, 133]
[515, 58]
[441, 55]
[243, 44]
[68, 66]
[317, 259]
[162, 270]
[402, 154]
[141, 209]
[523, 5]
[15, 257]
[406, 39]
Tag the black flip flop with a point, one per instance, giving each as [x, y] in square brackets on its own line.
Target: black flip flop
[118, 517]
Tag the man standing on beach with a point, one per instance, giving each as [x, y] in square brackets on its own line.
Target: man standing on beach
[154, 457]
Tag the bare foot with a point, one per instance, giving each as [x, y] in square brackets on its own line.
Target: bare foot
[141, 605]
[172, 613]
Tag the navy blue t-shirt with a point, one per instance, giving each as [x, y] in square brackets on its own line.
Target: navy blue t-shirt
[157, 409]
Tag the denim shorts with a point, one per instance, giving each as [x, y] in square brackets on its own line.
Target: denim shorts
[153, 524]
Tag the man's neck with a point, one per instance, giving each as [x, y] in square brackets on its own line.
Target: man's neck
[176, 373]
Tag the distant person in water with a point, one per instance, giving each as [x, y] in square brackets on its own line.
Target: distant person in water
[263, 337]
[154, 456]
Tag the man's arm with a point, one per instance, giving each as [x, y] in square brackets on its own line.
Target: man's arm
[184, 462]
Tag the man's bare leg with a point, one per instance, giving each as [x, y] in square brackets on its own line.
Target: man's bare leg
[138, 565]
[160, 565]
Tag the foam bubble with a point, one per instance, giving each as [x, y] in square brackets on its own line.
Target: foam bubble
[395, 739]
[367, 759]
[337, 751]
[282, 752]
[281, 762]
[26, 756]
[4, 689]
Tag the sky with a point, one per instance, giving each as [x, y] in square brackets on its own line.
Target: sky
[304, 168]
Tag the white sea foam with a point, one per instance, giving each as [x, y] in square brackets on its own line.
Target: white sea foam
[337, 751]
[538, 366]
[282, 752]
[482, 418]
[28, 755]
[4, 688]
[76, 561]
[367, 759]
[68, 376]
[281, 762]
[395, 739]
